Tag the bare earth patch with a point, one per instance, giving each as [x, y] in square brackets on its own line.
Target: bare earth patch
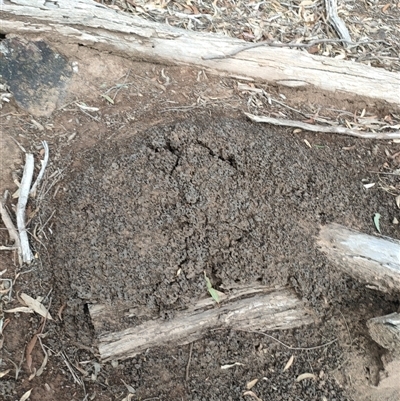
[173, 177]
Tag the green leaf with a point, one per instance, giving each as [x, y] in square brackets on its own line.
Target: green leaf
[108, 99]
[377, 216]
[211, 290]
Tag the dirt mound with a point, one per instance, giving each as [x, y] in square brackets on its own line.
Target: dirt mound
[145, 217]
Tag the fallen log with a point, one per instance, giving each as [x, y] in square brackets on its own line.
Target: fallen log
[86, 22]
[385, 330]
[374, 261]
[255, 308]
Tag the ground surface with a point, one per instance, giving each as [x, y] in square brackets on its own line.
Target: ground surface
[173, 177]
[373, 25]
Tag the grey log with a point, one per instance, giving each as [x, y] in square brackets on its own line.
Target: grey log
[372, 260]
[261, 309]
[385, 330]
[86, 22]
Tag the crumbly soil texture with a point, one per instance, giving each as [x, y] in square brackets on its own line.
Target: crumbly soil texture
[143, 218]
[145, 195]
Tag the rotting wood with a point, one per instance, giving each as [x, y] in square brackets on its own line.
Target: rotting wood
[385, 330]
[88, 23]
[372, 260]
[261, 309]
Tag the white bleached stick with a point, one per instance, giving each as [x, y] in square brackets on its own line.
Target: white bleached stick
[42, 169]
[321, 128]
[24, 189]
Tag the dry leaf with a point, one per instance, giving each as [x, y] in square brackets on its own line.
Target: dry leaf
[61, 310]
[377, 217]
[289, 363]
[32, 375]
[87, 108]
[231, 365]
[37, 125]
[37, 306]
[251, 394]
[129, 397]
[23, 309]
[44, 363]
[108, 98]
[305, 376]
[4, 372]
[129, 387]
[251, 384]
[29, 349]
[26, 395]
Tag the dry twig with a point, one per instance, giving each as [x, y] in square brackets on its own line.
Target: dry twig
[322, 128]
[12, 231]
[42, 169]
[189, 360]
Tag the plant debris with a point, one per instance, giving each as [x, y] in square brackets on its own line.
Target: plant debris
[373, 30]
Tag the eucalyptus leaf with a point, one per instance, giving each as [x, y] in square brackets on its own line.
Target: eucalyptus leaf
[211, 290]
[377, 216]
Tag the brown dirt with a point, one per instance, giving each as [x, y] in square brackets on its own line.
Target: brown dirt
[146, 190]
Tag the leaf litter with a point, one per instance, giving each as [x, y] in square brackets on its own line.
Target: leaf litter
[374, 33]
[36, 306]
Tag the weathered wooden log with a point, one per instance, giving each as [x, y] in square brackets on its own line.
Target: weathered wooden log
[374, 261]
[88, 23]
[260, 309]
[385, 330]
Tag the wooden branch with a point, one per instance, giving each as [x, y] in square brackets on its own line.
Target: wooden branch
[385, 330]
[24, 189]
[12, 231]
[335, 21]
[372, 260]
[262, 309]
[89, 23]
[44, 162]
[323, 128]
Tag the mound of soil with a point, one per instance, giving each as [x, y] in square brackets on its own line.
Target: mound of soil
[144, 218]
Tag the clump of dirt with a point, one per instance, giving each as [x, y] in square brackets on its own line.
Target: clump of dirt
[146, 216]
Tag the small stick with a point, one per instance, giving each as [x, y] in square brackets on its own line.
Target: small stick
[8, 248]
[337, 23]
[289, 45]
[188, 364]
[12, 231]
[41, 172]
[288, 346]
[322, 128]
[26, 181]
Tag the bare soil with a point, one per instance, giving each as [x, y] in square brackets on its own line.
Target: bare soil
[173, 179]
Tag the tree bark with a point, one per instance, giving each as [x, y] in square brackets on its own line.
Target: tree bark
[89, 23]
[260, 309]
[372, 260]
[385, 330]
